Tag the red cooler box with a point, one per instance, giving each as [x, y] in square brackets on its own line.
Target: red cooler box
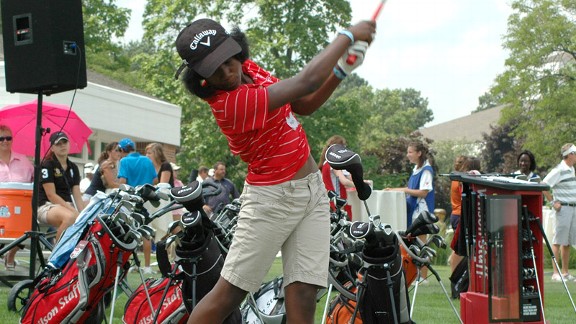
[15, 209]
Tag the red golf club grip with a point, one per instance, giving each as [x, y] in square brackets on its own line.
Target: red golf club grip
[352, 58]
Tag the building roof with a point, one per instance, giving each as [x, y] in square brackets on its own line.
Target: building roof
[469, 128]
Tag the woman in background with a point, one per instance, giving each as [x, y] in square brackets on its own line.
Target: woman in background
[106, 172]
[335, 180]
[60, 200]
[527, 164]
[420, 190]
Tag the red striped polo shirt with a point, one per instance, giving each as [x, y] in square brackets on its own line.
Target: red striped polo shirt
[273, 143]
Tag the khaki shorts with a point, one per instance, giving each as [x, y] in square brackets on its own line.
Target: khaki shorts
[43, 212]
[292, 217]
[565, 229]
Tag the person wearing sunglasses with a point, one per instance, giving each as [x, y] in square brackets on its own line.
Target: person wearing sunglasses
[60, 200]
[14, 167]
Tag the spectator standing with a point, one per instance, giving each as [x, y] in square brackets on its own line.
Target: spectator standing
[456, 202]
[420, 190]
[527, 164]
[214, 204]
[562, 181]
[136, 170]
[335, 180]
[155, 153]
[260, 127]
[88, 176]
[202, 173]
[14, 167]
[59, 200]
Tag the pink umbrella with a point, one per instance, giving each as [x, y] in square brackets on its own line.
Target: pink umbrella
[21, 118]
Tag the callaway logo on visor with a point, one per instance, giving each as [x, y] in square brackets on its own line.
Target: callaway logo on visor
[198, 37]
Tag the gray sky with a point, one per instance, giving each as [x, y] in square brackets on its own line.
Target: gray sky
[449, 50]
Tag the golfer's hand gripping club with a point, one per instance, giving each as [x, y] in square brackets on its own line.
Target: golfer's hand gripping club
[357, 50]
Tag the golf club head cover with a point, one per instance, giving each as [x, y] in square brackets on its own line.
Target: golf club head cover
[190, 196]
[341, 158]
[148, 193]
[422, 219]
[426, 229]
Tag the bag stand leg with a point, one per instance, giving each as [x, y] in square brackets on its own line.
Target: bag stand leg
[118, 265]
[137, 262]
[327, 304]
[359, 295]
[445, 292]
[164, 293]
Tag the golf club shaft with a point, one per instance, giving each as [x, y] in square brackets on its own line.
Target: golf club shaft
[352, 58]
[555, 261]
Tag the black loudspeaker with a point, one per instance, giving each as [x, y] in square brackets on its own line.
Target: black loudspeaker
[43, 45]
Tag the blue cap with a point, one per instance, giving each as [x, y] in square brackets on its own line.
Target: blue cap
[126, 144]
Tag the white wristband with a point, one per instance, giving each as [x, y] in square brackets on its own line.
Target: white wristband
[348, 34]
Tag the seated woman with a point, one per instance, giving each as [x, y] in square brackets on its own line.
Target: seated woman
[60, 200]
[106, 173]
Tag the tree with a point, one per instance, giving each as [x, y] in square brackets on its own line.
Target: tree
[103, 21]
[539, 81]
[487, 101]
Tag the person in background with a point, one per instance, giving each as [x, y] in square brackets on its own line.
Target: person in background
[176, 170]
[202, 173]
[527, 164]
[14, 167]
[136, 170]
[88, 176]
[106, 172]
[177, 214]
[335, 180]
[562, 181]
[283, 195]
[456, 202]
[214, 204]
[420, 190]
[60, 200]
[472, 166]
[155, 152]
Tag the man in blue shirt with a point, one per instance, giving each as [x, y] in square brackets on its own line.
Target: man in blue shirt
[135, 170]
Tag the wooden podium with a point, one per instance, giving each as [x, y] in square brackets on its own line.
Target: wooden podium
[499, 216]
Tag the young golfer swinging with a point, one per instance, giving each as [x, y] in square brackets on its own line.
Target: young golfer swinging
[284, 203]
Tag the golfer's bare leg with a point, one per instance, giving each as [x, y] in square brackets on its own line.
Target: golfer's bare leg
[222, 300]
[300, 303]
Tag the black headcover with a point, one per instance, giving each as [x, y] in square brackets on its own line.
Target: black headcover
[341, 158]
[190, 196]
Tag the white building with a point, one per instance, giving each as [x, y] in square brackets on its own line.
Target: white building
[113, 111]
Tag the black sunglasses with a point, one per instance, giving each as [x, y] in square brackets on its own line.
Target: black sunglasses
[5, 138]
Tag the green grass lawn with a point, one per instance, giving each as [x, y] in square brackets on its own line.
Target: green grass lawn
[431, 305]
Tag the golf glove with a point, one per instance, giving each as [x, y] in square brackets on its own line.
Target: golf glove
[357, 49]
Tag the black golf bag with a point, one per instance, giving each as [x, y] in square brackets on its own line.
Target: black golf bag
[459, 279]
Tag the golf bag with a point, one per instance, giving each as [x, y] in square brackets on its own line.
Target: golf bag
[137, 309]
[459, 278]
[384, 298]
[75, 293]
[341, 310]
[269, 304]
